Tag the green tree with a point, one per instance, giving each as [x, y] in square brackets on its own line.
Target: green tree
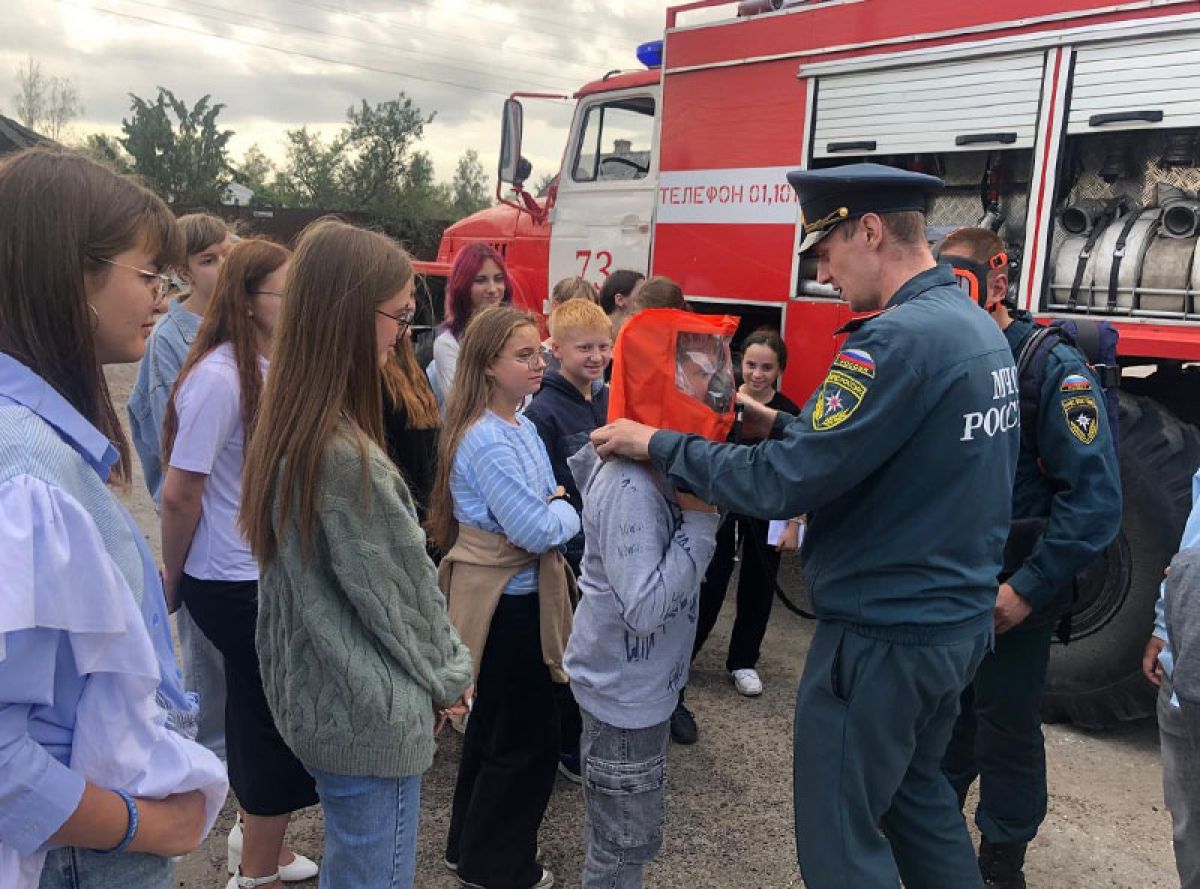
[469, 188]
[379, 139]
[257, 172]
[105, 149]
[177, 150]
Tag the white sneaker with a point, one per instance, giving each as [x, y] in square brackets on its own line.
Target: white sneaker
[298, 869]
[747, 682]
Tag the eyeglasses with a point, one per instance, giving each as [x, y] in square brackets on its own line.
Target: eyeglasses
[405, 321]
[266, 293]
[533, 361]
[160, 283]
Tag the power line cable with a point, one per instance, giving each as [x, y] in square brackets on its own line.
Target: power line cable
[457, 38]
[571, 30]
[225, 13]
[406, 75]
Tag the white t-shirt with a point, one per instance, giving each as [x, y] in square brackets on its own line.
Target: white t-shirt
[210, 441]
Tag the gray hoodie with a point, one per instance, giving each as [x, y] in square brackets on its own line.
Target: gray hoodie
[643, 561]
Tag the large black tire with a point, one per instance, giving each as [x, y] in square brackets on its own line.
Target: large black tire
[1096, 680]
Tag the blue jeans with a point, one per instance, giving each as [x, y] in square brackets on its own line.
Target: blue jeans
[370, 830]
[624, 788]
[84, 869]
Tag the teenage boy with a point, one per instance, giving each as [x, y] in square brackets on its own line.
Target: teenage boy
[572, 402]
[574, 398]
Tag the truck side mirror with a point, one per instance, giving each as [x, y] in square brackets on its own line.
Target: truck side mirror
[510, 144]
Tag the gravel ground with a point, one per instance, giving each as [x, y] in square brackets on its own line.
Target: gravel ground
[729, 821]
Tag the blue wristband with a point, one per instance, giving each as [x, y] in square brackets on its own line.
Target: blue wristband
[131, 831]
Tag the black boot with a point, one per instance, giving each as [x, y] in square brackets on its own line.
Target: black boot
[683, 725]
[1002, 865]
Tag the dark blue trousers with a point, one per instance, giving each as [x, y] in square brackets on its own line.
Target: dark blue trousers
[873, 718]
[999, 737]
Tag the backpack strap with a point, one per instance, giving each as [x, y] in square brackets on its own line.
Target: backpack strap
[1118, 256]
[1031, 374]
[1085, 254]
[1087, 340]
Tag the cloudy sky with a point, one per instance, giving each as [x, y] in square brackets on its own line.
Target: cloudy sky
[279, 64]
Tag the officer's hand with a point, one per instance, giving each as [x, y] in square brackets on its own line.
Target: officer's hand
[624, 438]
[1011, 609]
[1151, 668]
[757, 418]
[789, 540]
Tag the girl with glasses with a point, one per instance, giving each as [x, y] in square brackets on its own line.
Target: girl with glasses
[207, 561]
[501, 519]
[100, 783]
[357, 654]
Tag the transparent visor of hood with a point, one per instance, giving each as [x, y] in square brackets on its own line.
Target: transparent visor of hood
[704, 370]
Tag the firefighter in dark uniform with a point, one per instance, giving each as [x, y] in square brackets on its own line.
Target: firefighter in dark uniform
[903, 460]
[1066, 510]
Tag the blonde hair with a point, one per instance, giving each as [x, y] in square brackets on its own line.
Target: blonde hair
[579, 315]
[482, 344]
[324, 367]
[572, 288]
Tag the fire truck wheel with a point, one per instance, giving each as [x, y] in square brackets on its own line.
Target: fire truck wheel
[1096, 680]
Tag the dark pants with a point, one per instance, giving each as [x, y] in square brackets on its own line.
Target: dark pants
[509, 756]
[755, 593]
[998, 737]
[873, 718]
[263, 772]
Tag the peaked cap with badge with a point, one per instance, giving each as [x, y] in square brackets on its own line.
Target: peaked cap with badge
[832, 196]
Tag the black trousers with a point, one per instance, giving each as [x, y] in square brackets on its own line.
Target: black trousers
[998, 737]
[509, 757]
[263, 772]
[755, 593]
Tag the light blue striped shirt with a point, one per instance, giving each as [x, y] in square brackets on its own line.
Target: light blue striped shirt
[1191, 538]
[500, 482]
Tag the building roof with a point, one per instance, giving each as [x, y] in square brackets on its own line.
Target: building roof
[14, 136]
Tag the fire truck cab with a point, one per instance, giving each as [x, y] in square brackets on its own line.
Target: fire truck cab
[1070, 127]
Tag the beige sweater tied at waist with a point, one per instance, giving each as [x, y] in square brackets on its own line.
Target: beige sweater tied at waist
[473, 576]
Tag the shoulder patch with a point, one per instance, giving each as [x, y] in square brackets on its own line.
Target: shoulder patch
[856, 360]
[1075, 383]
[1082, 417]
[839, 397]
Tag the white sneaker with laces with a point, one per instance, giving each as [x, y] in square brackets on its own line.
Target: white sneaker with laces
[747, 682]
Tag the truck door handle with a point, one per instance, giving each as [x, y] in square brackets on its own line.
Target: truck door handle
[984, 138]
[863, 145]
[634, 223]
[1148, 115]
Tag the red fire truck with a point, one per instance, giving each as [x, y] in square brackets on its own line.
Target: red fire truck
[1071, 127]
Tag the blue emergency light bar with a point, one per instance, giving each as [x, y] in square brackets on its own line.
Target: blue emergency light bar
[650, 54]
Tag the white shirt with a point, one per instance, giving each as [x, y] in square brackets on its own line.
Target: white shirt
[210, 441]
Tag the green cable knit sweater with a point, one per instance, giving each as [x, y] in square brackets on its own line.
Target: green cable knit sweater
[355, 644]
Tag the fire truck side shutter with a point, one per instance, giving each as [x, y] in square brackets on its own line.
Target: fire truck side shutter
[1136, 84]
[988, 102]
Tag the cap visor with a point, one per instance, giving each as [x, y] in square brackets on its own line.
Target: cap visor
[811, 240]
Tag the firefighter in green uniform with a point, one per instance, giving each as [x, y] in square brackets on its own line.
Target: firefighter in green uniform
[1066, 510]
[903, 460]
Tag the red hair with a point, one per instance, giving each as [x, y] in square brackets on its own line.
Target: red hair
[458, 286]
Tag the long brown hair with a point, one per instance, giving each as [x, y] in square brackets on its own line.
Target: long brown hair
[228, 320]
[407, 387]
[482, 344]
[61, 215]
[324, 366]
